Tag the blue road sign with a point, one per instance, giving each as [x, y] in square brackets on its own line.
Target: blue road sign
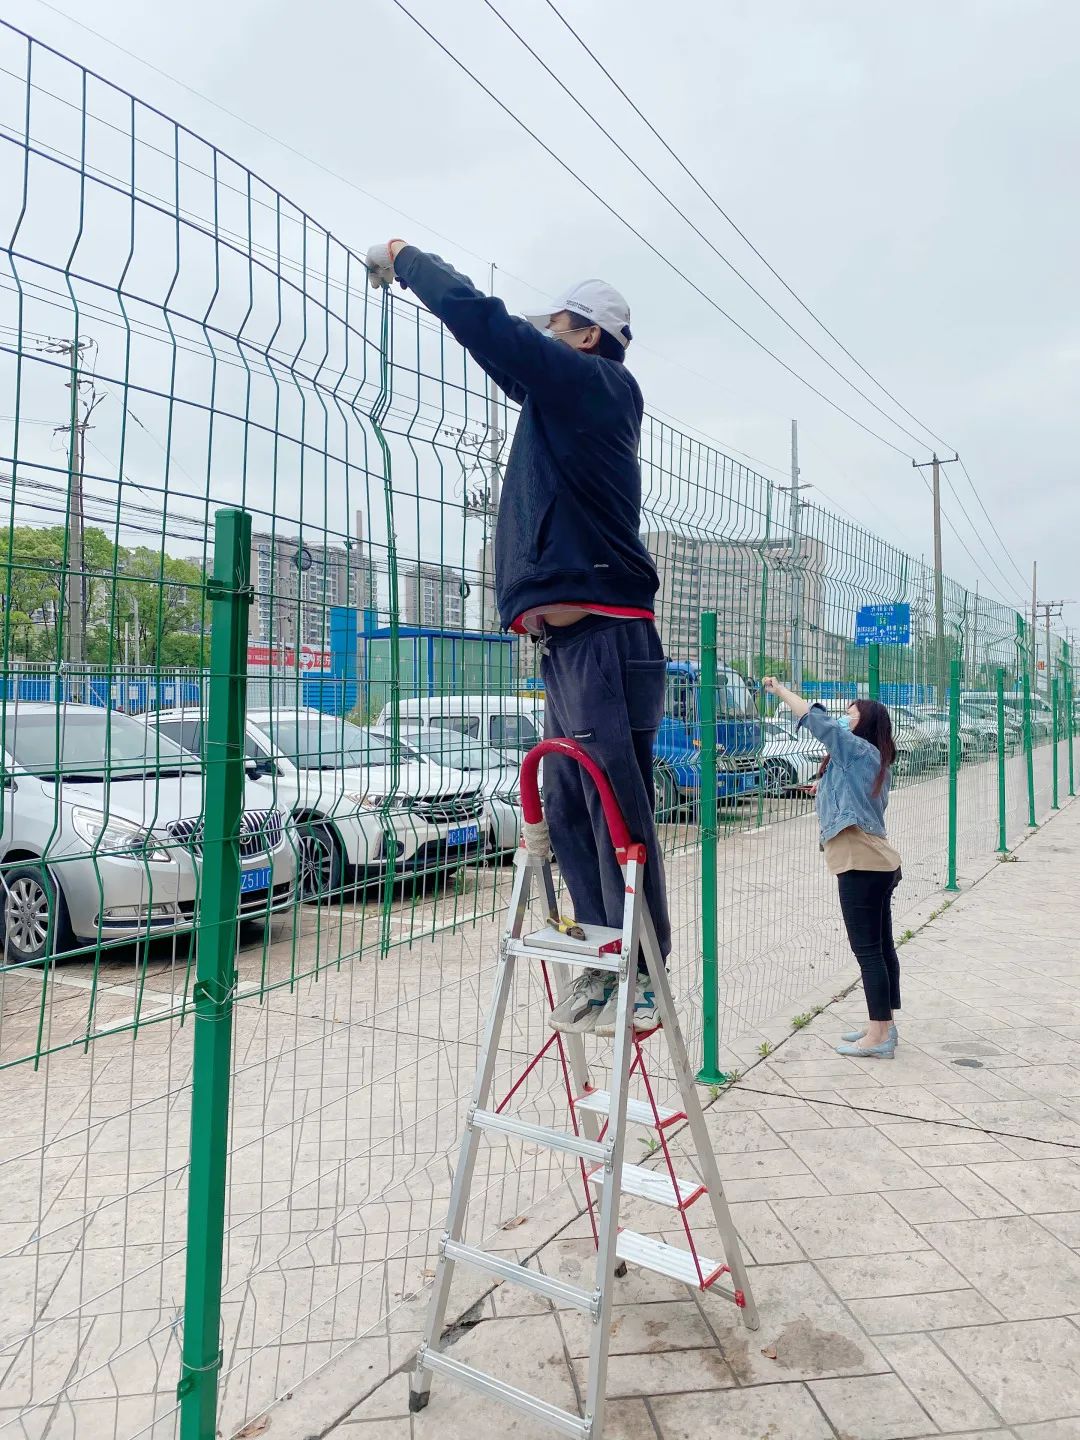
[883, 625]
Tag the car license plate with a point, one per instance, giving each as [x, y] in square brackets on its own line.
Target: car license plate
[255, 880]
[463, 835]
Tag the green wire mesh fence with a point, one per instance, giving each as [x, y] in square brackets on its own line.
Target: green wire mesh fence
[260, 735]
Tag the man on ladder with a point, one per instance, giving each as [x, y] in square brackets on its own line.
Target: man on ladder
[571, 570]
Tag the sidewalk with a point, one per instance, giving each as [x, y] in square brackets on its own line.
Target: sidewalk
[915, 1237]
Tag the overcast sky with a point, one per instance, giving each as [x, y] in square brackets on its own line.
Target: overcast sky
[910, 172]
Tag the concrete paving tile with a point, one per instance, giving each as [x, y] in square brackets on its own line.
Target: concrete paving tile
[846, 1225]
[1028, 1370]
[666, 1373]
[767, 1238]
[627, 1420]
[774, 1187]
[981, 1199]
[872, 1407]
[1034, 1186]
[848, 1162]
[922, 1272]
[400, 1429]
[930, 1156]
[641, 1329]
[1048, 1430]
[898, 1314]
[1024, 1271]
[936, 1383]
[779, 1412]
[1066, 1227]
[808, 1333]
[798, 1117]
[930, 1204]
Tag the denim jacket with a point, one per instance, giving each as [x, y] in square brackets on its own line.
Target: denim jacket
[843, 796]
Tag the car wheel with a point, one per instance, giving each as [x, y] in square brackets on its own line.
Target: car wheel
[667, 801]
[320, 863]
[778, 777]
[33, 905]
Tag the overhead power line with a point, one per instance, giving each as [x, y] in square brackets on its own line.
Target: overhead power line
[738, 231]
[653, 184]
[655, 249]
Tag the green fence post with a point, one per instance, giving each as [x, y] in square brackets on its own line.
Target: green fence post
[1055, 734]
[1070, 712]
[710, 1072]
[1028, 748]
[874, 673]
[1003, 843]
[954, 765]
[215, 983]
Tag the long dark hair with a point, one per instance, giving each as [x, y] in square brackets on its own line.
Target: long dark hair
[874, 724]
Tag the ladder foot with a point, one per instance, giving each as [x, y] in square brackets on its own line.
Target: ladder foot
[418, 1399]
[620, 1270]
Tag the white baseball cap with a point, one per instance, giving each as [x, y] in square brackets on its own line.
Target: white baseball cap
[599, 302]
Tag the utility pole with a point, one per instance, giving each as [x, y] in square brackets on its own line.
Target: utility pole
[76, 428]
[796, 568]
[1051, 610]
[940, 668]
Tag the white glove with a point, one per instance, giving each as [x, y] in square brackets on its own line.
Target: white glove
[380, 265]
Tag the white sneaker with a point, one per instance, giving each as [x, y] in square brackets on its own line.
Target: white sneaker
[576, 1013]
[646, 1015]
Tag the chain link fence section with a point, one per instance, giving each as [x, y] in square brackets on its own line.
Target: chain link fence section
[177, 339]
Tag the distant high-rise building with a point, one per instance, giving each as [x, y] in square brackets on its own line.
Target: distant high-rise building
[297, 583]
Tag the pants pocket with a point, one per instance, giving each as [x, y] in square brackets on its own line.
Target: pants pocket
[645, 682]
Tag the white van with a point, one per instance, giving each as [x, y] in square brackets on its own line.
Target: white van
[507, 722]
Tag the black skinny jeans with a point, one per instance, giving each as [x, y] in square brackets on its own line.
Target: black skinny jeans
[866, 900]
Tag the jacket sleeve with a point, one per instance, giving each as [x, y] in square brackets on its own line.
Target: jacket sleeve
[513, 352]
[842, 745]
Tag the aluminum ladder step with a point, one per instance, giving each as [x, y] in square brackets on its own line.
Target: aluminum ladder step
[521, 1400]
[668, 1260]
[541, 1135]
[509, 1270]
[655, 1185]
[522, 950]
[600, 950]
[638, 1112]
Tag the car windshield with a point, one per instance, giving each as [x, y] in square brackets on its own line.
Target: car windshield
[92, 745]
[451, 747]
[316, 742]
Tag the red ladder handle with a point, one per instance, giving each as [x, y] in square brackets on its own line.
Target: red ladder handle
[530, 790]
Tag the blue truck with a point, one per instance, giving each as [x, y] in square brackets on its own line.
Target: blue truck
[677, 752]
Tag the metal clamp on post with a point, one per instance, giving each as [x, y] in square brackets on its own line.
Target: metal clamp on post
[213, 997]
[222, 590]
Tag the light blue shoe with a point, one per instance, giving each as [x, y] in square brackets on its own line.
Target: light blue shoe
[853, 1035]
[871, 1052]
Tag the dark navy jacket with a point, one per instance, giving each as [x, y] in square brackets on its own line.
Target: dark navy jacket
[571, 495]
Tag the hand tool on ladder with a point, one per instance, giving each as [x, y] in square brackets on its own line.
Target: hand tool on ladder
[598, 1120]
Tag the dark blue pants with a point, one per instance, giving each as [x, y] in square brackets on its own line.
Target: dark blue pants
[604, 687]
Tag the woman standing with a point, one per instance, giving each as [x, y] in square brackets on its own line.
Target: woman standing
[852, 793]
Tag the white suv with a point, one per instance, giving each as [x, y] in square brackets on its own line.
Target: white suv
[363, 814]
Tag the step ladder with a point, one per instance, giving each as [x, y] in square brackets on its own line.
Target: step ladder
[598, 1120]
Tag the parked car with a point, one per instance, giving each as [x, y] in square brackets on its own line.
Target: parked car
[790, 756]
[916, 752]
[362, 812]
[508, 722]
[498, 773]
[102, 833]
[977, 736]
